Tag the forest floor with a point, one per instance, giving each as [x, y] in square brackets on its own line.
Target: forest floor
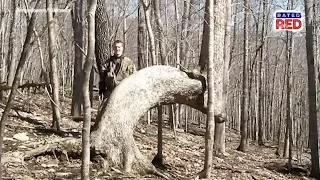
[29, 128]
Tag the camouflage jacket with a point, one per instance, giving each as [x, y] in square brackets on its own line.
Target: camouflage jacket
[115, 70]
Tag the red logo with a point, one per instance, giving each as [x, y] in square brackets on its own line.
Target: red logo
[288, 21]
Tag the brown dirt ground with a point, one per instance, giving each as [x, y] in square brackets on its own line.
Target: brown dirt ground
[184, 154]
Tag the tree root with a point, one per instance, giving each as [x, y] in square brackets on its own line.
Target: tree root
[65, 146]
[68, 146]
[156, 172]
[158, 162]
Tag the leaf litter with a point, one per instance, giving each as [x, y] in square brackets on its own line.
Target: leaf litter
[183, 153]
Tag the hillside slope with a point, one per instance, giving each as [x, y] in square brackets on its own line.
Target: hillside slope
[29, 128]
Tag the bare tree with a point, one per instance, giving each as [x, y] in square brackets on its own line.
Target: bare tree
[313, 121]
[77, 23]
[289, 47]
[176, 107]
[209, 138]
[287, 151]
[184, 30]
[124, 25]
[141, 34]
[3, 21]
[259, 82]
[219, 136]
[54, 78]
[158, 159]
[162, 41]
[102, 28]
[244, 101]
[24, 54]
[85, 90]
[147, 13]
[10, 58]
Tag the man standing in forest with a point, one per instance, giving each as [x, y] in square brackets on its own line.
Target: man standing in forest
[116, 68]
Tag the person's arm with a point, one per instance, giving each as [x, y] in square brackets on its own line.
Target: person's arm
[132, 68]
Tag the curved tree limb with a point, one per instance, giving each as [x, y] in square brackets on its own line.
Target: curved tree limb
[112, 135]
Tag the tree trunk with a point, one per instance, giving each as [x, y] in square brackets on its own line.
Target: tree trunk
[260, 121]
[313, 121]
[147, 13]
[24, 54]
[209, 137]
[162, 45]
[184, 26]
[101, 32]
[124, 25]
[112, 134]
[204, 43]
[159, 157]
[289, 113]
[288, 134]
[280, 110]
[3, 21]
[244, 96]
[54, 78]
[78, 60]
[176, 107]
[219, 138]
[85, 90]
[10, 58]
[141, 34]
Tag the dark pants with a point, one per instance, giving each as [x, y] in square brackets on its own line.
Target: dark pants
[106, 95]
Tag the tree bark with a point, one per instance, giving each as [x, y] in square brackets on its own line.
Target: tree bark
[101, 32]
[176, 107]
[54, 78]
[159, 157]
[112, 134]
[209, 138]
[124, 25]
[289, 84]
[219, 144]
[147, 13]
[10, 58]
[204, 43]
[313, 121]
[244, 96]
[280, 109]
[184, 26]
[77, 22]
[85, 90]
[141, 34]
[260, 122]
[24, 54]
[162, 40]
[3, 21]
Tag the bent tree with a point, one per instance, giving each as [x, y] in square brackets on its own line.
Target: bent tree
[112, 134]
